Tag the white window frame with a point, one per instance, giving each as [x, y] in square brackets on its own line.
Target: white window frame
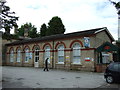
[18, 55]
[27, 55]
[11, 55]
[76, 53]
[47, 54]
[105, 58]
[61, 54]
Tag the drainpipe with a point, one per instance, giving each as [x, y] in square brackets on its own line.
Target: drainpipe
[119, 25]
[22, 54]
[118, 9]
[53, 55]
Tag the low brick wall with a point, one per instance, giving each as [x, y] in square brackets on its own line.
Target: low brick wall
[101, 67]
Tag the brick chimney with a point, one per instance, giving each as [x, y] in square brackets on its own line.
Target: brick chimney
[26, 29]
[26, 33]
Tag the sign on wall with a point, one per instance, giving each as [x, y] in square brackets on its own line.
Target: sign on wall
[86, 42]
[87, 59]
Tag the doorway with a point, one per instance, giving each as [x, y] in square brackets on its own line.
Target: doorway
[36, 58]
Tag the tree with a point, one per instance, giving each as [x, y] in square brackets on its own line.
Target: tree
[43, 30]
[117, 6]
[20, 31]
[33, 33]
[55, 26]
[31, 29]
[7, 18]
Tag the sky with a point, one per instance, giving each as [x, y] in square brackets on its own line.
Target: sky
[76, 15]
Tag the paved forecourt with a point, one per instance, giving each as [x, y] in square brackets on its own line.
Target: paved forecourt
[30, 77]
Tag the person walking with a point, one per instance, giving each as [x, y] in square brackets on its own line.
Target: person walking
[46, 65]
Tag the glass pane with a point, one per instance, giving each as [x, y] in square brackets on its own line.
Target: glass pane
[76, 46]
[18, 55]
[25, 58]
[61, 47]
[11, 56]
[76, 59]
[36, 59]
[47, 53]
[76, 49]
[119, 66]
[76, 52]
[27, 55]
[35, 52]
[61, 53]
[47, 48]
[18, 59]
[115, 67]
[105, 58]
[60, 59]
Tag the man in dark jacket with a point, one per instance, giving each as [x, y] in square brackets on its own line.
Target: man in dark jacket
[46, 65]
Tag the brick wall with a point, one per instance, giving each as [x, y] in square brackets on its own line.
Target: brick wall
[95, 41]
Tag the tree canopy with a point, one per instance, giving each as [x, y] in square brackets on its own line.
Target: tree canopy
[43, 30]
[117, 5]
[55, 26]
[7, 18]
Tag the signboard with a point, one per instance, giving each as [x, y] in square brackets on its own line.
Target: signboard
[107, 47]
[87, 59]
[86, 42]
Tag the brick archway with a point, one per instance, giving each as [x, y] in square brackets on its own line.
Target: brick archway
[47, 44]
[18, 48]
[36, 45]
[58, 43]
[26, 47]
[11, 48]
[75, 42]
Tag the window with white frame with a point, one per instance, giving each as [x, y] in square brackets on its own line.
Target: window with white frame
[11, 55]
[47, 53]
[61, 54]
[76, 53]
[18, 55]
[26, 55]
[105, 57]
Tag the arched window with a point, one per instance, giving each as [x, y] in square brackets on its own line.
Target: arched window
[76, 53]
[61, 54]
[11, 55]
[18, 55]
[27, 55]
[47, 53]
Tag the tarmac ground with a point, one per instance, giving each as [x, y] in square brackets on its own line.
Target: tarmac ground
[30, 77]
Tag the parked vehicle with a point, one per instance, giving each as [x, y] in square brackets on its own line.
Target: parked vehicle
[112, 72]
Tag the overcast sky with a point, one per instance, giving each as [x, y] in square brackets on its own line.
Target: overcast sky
[76, 15]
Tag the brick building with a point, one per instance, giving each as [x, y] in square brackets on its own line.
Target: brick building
[65, 51]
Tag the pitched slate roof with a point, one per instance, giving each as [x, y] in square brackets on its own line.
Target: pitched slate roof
[62, 36]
